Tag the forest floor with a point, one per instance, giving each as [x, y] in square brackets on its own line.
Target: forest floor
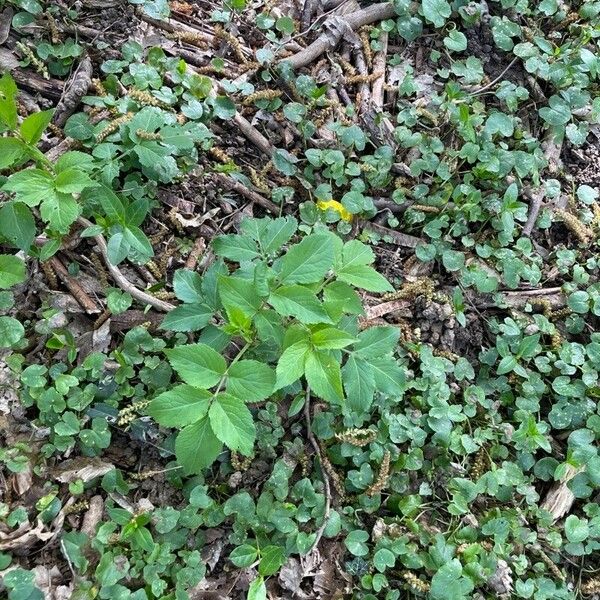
[171, 177]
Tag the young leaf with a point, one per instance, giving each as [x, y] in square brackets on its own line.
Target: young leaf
[197, 364]
[359, 383]
[17, 225]
[179, 406]
[277, 233]
[308, 261]
[12, 271]
[364, 277]
[33, 126]
[257, 590]
[291, 364]
[197, 447]
[11, 150]
[188, 317]
[298, 301]
[356, 253]
[31, 186]
[323, 375]
[232, 423]
[250, 380]
[237, 293]
[188, 286]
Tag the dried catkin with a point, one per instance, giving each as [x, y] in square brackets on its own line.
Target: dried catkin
[145, 98]
[261, 95]
[130, 413]
[411, 290]
[415, 583]
[233, 42]
[382, 477]
[357, 437]
[189, 37]
[27, 52]
[113, 126]
[357, 79]
[575, 226]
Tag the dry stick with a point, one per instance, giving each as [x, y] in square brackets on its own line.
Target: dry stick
[552, 154]
[257, 138]
[315, 445]
[379, 64]
[74, 287]
[198, 249]
[307, 12]
[326, 41]
[121, 280]
[75, 89]
[242, 190]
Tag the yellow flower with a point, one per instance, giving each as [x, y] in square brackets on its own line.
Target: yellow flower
[337, 207]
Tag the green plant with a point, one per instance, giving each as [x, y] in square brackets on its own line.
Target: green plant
[295, 312]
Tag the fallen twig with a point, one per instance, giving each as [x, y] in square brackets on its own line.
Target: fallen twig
[379, 64]
[74, 91]
[121, 280]
[242, 190]
[74, 287]
[401, 239]
[334, 31]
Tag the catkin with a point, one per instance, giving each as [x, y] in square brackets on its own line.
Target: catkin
[357, 437]
[113, 126]
[261, 95]
[575, 226]
[130, 413]
[382, 477]
[415, 583]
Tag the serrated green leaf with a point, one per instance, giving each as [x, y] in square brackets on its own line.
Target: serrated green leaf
[17, 225]
[250, 380]
[390, 378]
[33, 126]
[60, 211]
[330, 338]
[376, 341]
[197, 364]
[238, 248]
[290, 366]
[365, 277]
[188, 317]
[180, 406]
[197, 447]
[298, 301]
[239, 294]
[359, 383]
[308, 261]
[11, 151]
[232, 423]
[12, 271]
[73, 181]
[30, 186]
[187, 285]
[324, 377]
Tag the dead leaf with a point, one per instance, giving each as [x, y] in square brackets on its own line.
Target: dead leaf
[84, 469]
[25, 536]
